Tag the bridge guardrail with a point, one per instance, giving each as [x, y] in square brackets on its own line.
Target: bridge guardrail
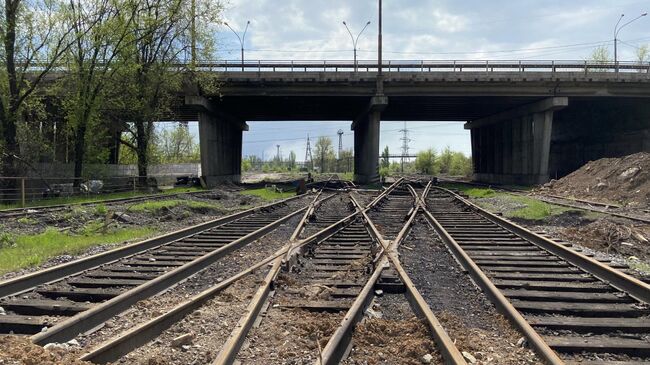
[518, 66]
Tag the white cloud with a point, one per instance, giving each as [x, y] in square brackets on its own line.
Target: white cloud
[449, 23]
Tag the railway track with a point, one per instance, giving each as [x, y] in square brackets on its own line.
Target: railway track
[582, 204]
[72, 298]
[326, 289]
[571, 308]
[39, 210]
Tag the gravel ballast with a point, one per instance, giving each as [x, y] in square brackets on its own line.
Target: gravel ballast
[466, 314]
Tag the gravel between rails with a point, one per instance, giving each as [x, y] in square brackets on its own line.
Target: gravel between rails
[227, 266]
[337, 208]
[466, 314]
[364, 198]
[291, 336]
[391, 334]
[209, 328]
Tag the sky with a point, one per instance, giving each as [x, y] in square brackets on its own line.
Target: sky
[418, 30]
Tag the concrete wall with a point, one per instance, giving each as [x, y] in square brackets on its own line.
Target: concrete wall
[513, 147]
[588, 130]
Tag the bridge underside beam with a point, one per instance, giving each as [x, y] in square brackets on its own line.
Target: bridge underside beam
[514, 147]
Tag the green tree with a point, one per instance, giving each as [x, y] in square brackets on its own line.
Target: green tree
[461, 165]
[163, 34]
[177, 145]
[292, 160]
[601, 55]
[31, 31]
[246, 165]
[425, 162]
[324, 154]
[385, 160]
[445, 159]
[643, 53]
[94, 58]
[346, 161]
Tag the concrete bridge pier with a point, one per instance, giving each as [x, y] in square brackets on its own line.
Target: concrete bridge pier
[220, 138]
[513, 147]
[366, 142]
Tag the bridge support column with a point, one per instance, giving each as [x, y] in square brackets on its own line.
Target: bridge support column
[220, 143]
[513, 147]
[366, 142]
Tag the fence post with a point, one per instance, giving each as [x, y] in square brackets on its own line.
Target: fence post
[135, 190]
[22, 192]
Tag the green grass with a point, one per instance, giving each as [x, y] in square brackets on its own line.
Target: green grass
[471, 191]
[23, 251]
[269, 194]
[639, 265]
[27, 221]
[534, 210]
[95, 198]
[346, 176]
[158, 205]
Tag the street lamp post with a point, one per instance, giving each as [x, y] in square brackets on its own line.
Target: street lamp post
[617, 29]
[241, 40]
[355, 41]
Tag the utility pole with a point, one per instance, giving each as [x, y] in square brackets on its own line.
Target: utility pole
[278, 154]
[405, 144]
[355, 42]
[308, 155]
[338, 160]
[617, 29]
[242, 39]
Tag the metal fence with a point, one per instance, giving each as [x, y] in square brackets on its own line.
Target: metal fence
[519, 66]
[26, 191]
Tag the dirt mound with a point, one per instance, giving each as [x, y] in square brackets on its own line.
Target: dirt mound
[624, 180]
[19, 350]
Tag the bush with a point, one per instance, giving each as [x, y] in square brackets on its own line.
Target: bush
[425, 162]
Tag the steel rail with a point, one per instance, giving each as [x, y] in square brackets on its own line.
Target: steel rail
[19, 212]
[230, 349]
[126, 342]
[69, 328]
[591, 209]
[25, 282]
[498, 299]
[339, 342]
[545, 199]
[624, 282]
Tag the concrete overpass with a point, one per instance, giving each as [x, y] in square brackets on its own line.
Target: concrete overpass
[529, 120]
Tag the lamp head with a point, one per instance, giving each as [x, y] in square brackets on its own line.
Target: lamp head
[344, 23]
[644, 14]
[225, 23]
[368, 23]
[248, 22]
